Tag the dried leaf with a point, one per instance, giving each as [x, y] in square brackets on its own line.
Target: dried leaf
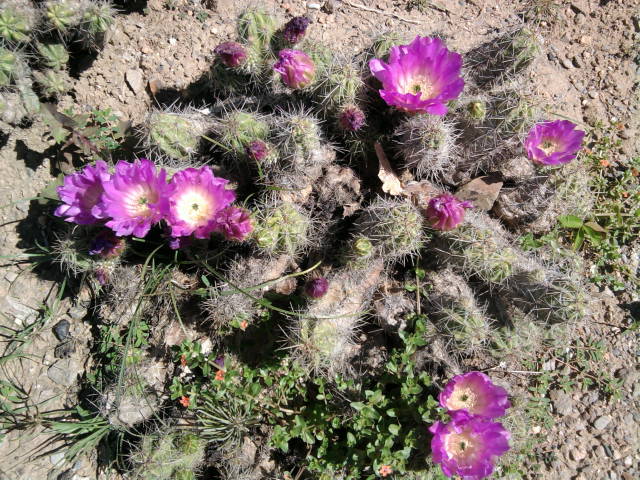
[390, 182]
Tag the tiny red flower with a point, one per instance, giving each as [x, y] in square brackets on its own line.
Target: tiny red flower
[220, 375]
[183, 360]
[184, 401]
[386, 470]
[243, 325]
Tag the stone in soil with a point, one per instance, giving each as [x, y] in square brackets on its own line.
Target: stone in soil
[64, 372]
[61, 329]
[562, 402]
[602, 422]
[481, 191]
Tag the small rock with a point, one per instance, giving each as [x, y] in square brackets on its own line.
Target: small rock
[57, 459]
[578, 454]
[566, 63]
[628, 461]
[549, 365]
[61, 329]
[10, 276]
[328, 6]
[77, 312]
[65, 349]
[313, 6]
[64, 372]
[481, 191]
[590, 398]
[561, 402]
[134, 80]
[602, 422]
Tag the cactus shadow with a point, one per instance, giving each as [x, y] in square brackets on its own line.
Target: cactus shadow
[32, 158]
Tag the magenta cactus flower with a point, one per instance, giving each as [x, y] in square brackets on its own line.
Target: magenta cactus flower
[198, 198]
[295, 29]
[474, 393]
[351, 118]
[295, 68]
[107, 245]
[420, 77]
[135, 197]
[80, 194]
[234, 223]
[553, 143]
[468, 445]
[231, 54]
[317, 288]
[445, 212]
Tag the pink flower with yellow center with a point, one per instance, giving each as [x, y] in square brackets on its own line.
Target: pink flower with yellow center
[553, 143]
[135, 197]
[80, 194]
[468, 445]
[474, 393]
[420, 77]
[198, 198]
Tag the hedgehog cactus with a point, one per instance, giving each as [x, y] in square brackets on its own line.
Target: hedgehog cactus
[63, 15]
[238, 129]
[96, 20]
[281, 228]
[381, 46]
[324, 336]
[54, 55]
[506, 56]
[393, 227]
[9, 67]
[427, 146]
[175, 134]
[53, 83]
[457, 315]
[339, 85]
[17, 19]
[161, 455]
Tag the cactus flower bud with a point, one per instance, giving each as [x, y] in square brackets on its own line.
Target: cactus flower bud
[477, 110]
[295, 29]
[295, 68]
[351, 118]
[445, 212]
[106, 245]
[317, 287]
[257, 150]
[232, 54]
[234, 223]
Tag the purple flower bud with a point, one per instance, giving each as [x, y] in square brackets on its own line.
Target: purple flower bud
[445, 212]
[176, 243]
[295, 67]
[101, 276]
[106, 244]
[232, 54]
[351, 118]
[219, 361]
[234, 223]
[257, 150]
[295, 29]
[317, 287]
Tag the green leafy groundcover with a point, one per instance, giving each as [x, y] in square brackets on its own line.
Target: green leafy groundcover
[386, 421]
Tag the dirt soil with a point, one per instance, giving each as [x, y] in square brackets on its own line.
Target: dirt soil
[589, 77]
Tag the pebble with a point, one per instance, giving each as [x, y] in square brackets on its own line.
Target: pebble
[77, 312]
[577, 454]
[57, 458]
[134, 80]
[313, 6]
[61, 329]
[628, 461]
[561, 402]
[602, 422]
[64, 372]
[10, 276]
[566, 63]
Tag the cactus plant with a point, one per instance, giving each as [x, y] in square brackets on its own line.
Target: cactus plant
[160, 455]
[394, 229]
[174, 134]
[281, 227]
[9, 67]
[96, 20]
[427, 145]
[504, 57]
[53, 83]
[54, 55]
[63, 15]
[237, 129]
[17, 21]
[458, 317]
[224, 423]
